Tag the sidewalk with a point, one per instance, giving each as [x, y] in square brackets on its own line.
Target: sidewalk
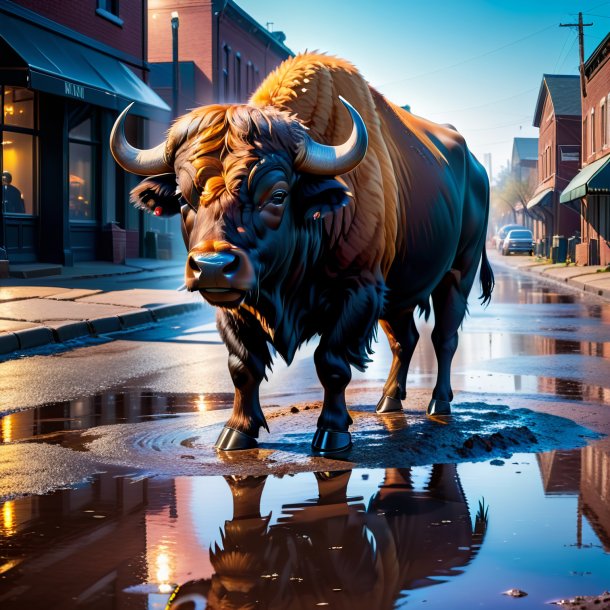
[44, 310]
[593, 279]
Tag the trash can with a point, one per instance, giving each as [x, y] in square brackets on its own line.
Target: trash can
[572, 242]
[559, 251]
[113, 243]
[164, 243]
[151, 244]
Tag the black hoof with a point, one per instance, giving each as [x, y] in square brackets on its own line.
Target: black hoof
[232, 440]
[439, 407]
[387, 404]
[329, 442]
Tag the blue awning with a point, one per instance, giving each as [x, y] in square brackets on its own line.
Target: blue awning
[62, 66]
[594, 178]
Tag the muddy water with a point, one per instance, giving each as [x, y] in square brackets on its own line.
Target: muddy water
[445, 536]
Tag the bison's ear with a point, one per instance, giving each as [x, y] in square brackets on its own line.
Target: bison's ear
[318, 196]
[157, 195]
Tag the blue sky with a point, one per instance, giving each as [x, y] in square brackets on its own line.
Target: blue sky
[476, 64]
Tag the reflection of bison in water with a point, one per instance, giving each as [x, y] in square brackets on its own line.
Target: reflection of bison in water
[336, 550]
[295, 229]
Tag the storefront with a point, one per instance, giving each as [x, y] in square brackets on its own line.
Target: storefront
[60, 96]
[590, 190]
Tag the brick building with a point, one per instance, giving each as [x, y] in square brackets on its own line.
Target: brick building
[557, 115]
[524, 170]
[66, 69]
[590, 189]
[223, 53]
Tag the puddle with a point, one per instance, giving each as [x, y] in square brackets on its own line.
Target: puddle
[447, 536]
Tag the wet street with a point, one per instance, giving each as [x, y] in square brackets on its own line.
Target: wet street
[112, 497]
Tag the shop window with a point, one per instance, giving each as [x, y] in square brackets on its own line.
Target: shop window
[18, 173]
[18, 108]
[82, 156]
[19, 151]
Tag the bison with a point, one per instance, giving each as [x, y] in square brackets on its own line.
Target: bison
[305, 215]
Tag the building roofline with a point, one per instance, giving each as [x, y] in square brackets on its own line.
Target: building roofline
[594, 59]
[230, 7]
[544, 91]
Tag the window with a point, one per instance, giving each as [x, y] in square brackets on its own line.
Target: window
[109, 9]
[225, 72]
[249, 79]
[19, 161]
[593, 134]
[110, 6]
[569, 153]
[238, 77]
[82, 158]
[603, 120]
[585, 139]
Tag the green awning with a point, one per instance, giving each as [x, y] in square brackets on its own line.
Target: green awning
[46, 61]
[594, 178]
[540, 199]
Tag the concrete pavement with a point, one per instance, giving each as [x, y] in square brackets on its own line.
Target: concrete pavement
[37, 312]
[592, 280]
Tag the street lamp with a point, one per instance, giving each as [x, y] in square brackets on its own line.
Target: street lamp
[175, 65]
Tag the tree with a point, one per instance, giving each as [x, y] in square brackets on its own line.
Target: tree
[511, 192]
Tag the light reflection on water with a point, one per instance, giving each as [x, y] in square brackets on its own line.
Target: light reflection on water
[449, 536]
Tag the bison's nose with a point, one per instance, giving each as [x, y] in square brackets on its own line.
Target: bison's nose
[219, 275]
[215, 263]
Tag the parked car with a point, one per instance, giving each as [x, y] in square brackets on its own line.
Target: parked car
[500, 236]
[518, 240]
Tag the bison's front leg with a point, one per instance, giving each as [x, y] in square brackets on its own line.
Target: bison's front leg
[334, 373]
[248, 357]
[350, 325]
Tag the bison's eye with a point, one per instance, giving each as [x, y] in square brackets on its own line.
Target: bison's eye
[278, 197]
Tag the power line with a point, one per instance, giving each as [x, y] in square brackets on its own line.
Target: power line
[504, 99]
[464, 61]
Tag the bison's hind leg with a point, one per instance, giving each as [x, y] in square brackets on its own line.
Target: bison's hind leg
[450, 303]
[403, 336]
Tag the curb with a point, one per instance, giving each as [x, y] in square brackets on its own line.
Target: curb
[43, 335]
[572, 282]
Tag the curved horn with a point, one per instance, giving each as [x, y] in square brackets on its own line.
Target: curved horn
[148, 162]
[316, 158]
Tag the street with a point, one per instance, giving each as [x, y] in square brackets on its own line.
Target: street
[110, 439]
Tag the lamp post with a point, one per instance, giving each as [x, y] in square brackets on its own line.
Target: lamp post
[175, 64]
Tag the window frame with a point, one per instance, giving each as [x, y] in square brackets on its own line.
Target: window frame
[94, 142]
[34, 133]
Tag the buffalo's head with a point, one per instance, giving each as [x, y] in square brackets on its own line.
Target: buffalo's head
[250, 181]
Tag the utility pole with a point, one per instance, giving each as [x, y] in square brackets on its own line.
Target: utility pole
[581, 44]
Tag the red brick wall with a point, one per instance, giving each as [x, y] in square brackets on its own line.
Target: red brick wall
[251, 49]
[194, 33]
[196, 39]
[80, 15]
[598, 90]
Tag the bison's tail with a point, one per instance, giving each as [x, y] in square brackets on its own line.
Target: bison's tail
[487, 279]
